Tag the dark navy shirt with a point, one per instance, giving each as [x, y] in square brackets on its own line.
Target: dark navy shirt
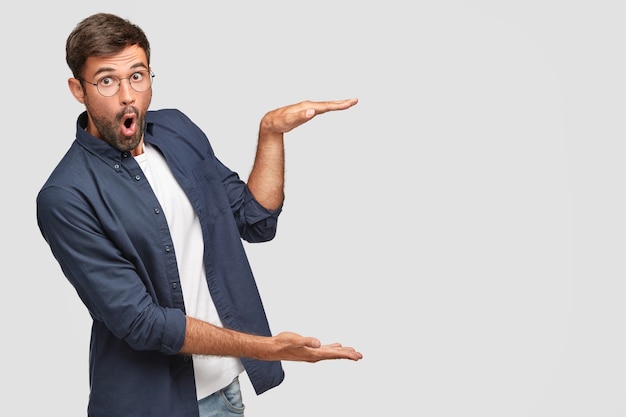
[110, 236]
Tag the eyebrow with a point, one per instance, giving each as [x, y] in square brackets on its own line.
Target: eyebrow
[109, 69]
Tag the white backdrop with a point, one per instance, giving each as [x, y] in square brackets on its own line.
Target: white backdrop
[462, 226]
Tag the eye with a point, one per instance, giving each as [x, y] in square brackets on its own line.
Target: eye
[137, 76]
[107, 81]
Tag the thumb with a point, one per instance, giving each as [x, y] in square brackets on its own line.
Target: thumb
[313, 343]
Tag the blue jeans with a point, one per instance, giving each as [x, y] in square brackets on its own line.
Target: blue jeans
[226, 402]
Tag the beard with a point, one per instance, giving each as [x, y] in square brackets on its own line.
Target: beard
[110, 129]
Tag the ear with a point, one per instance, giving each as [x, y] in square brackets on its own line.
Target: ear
[76, 88]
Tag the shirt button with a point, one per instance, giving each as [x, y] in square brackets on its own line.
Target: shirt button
[167, 248]
[174, 285]
[137, 177]
[157, 211]
[116, 166]
[125, 154]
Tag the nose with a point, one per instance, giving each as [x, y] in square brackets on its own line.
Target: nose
[126, 93]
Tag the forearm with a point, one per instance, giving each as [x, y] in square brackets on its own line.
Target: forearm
[267, 178]
[203, 338]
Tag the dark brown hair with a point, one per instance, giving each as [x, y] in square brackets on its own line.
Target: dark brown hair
[102, 34]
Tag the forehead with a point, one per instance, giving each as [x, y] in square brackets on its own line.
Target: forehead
[130, 58]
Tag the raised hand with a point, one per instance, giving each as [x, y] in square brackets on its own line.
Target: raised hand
[286, 118]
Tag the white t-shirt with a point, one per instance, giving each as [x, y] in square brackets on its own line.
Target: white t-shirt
[212, 372]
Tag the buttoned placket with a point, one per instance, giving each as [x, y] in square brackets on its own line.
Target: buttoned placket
[140, 179]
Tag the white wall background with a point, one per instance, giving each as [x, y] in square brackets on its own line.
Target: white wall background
[463, 226]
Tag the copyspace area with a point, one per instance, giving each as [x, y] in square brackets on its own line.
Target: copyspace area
[463, 226]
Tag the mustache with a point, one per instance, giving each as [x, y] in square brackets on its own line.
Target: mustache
[127, 110]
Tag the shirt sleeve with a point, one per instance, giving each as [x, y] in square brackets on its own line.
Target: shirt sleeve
[255, 222]
[107, 282]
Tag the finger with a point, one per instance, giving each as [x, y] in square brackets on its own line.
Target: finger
[344, 353]
[341, 103]
[333, 345]
[326, 106]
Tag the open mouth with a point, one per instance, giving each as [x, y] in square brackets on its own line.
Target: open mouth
[128, 124]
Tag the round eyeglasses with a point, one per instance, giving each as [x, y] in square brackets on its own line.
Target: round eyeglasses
[109, 85]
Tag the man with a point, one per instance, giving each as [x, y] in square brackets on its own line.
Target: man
[147, 225]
